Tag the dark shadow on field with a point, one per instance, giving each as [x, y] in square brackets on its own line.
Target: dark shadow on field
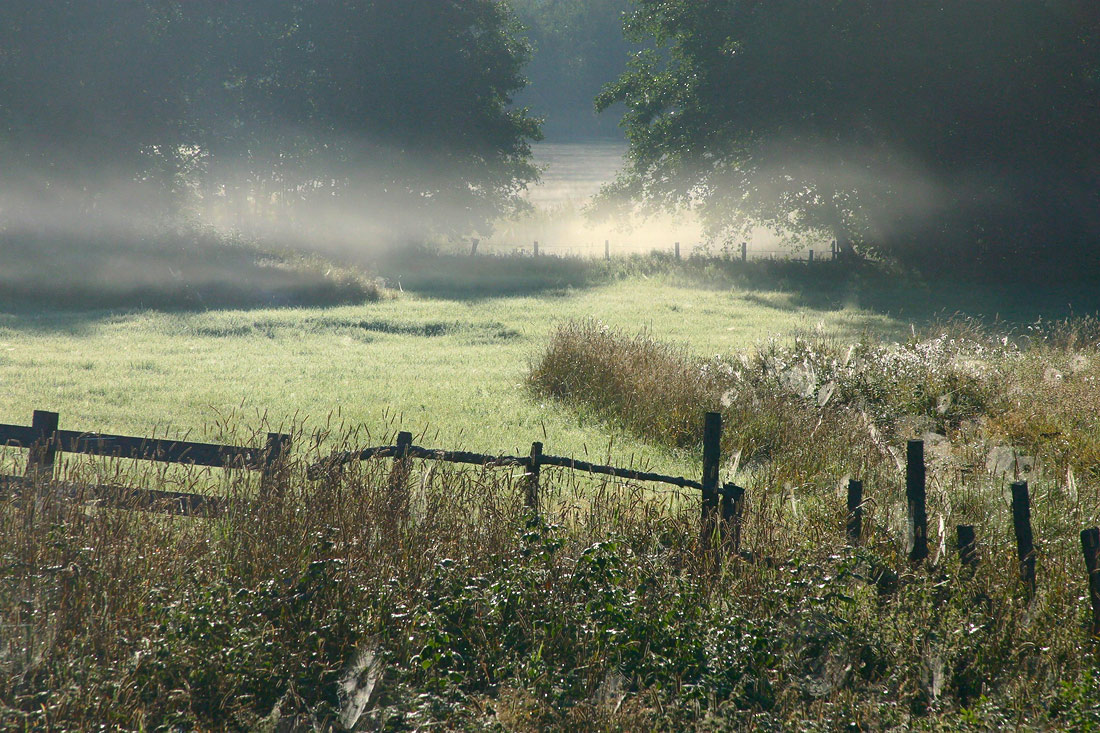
[46, 281]
[906, 297]
[471, 278]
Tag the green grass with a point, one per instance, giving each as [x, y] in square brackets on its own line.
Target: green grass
[463, 611]
[451, 370]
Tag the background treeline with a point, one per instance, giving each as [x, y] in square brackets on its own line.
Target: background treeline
[400, 109]
[579, 47]
[943, 134]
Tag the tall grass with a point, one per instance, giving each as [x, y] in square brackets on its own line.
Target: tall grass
[328, 605]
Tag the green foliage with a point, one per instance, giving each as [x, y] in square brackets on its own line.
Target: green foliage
[942, 135]
[148, 106]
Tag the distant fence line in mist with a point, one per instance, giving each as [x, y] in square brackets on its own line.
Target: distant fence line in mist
[720, 525]
[743, 251]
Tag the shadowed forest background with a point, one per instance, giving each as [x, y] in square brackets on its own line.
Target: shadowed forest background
[944, 137]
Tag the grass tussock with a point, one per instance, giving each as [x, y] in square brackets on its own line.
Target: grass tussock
[438, 602]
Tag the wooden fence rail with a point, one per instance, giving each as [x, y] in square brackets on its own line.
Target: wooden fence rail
[44, 440]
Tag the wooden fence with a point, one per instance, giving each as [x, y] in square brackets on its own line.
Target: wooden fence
[721, 519]
[44, 441]
[742, 251]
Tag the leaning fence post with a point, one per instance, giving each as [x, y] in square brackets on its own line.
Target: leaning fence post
[1025, 545]
[712, 441]
[1090, 546]
[855, 511]
[278, 445]
[967, 544]
[915, 497]
[533, 469]
[733, 510]
[474, 242]
[43, 452]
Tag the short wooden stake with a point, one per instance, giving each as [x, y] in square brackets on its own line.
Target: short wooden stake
[732, 511]
[811, 256]
[967, 544]
[712, 456]
[915, 497]
[607, 249]
[1090, 546]
[473, 246]
[1021, 524]
[676, 249]
[43, 453]
[744, 251]
[855, 511]
[536, 248]
[533, 468]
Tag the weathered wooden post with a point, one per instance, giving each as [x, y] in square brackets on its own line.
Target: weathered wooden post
[712, 456]
[744, 251]
[607, 249]
[399, 475]
[1090, 546]
[533, 469]
[811, 256]
[967, 545]
[277, 447]
[855, 511]
[536, 248]
[733, 511]
[473, 246]
[1025, 545]
[915, 497]
[676, 250]
[43, 452]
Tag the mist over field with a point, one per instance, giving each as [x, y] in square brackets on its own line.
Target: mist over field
[549, 365]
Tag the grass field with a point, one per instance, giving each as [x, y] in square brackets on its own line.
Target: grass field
[391, 601]
[445, 357]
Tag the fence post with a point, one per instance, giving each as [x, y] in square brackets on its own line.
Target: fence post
[811, 256]
[399, 474]
[43, 452]
[732, 511]
[676, 249]
[278, 445]
[855, 511]
[967, 544]
[1090, 546]
[712, 456]
[744, 251]
[473, 246]
[536, 248]
[607, 249]
[533, 469]
[1021, 524]
[915, 497]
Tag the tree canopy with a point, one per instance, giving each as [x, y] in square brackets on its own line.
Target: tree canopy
[938, 133]
[390, 105]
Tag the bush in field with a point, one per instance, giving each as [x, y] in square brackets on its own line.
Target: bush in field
[816, 409]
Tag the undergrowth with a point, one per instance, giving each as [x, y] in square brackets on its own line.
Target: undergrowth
[377, 599]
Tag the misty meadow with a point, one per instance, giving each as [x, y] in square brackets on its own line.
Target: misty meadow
[530, 365]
